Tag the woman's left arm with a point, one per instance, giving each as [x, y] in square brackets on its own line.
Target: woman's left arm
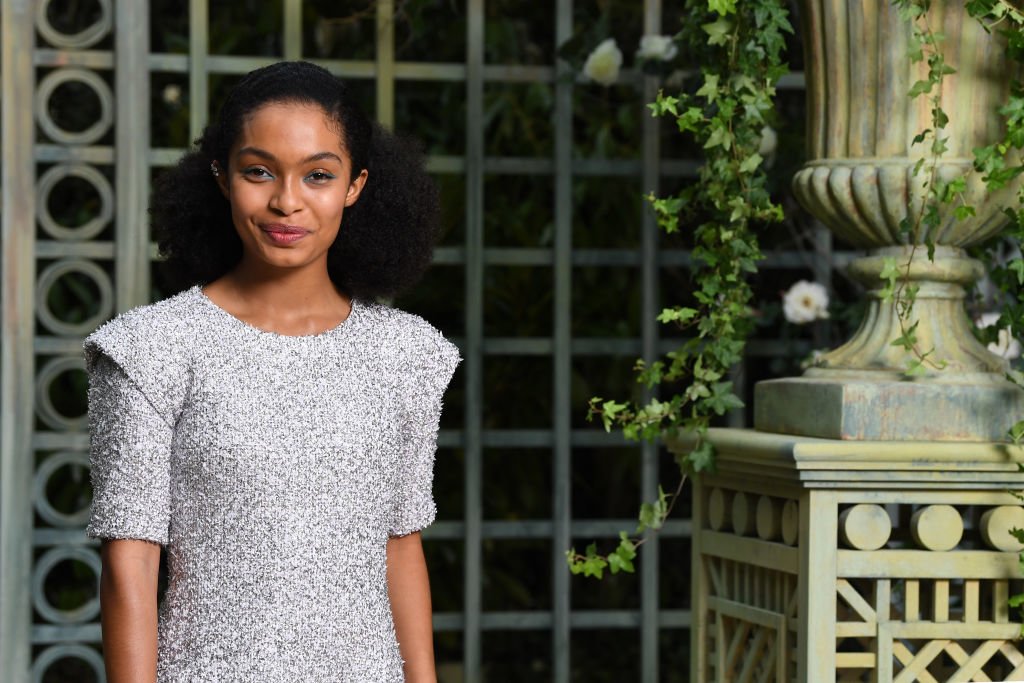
[409, 590]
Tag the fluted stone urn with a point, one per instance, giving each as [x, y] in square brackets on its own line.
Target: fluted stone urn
[861, 182]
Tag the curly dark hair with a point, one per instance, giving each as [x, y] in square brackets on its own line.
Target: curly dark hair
[386, 238]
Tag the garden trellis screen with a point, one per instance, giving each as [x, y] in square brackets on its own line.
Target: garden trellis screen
[549, 278]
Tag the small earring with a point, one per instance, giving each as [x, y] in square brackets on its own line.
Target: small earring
[213, 169]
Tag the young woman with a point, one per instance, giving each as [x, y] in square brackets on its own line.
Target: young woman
[271, 425]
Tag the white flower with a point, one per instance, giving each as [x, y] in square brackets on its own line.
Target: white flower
[604, 62]
[767, 146]
[1005, 346]
[805, 302]
[661, 48]
[172, 94]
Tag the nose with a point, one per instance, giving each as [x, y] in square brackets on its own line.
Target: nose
[285, 198]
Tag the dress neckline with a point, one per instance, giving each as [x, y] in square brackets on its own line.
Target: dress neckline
[355, 305]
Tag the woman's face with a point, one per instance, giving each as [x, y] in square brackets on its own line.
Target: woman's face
[288, 181]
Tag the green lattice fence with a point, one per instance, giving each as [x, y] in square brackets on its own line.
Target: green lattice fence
[549, 278]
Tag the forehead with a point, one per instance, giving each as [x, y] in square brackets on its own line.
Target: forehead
[291, 129]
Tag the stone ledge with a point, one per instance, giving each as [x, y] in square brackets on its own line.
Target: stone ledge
[846, 409]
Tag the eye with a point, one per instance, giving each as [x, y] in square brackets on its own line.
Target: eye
[320, 177]
[256, 173]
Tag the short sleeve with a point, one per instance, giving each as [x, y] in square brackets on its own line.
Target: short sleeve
[130, 446]
[428, 372]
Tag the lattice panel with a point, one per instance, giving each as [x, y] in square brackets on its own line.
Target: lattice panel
[748, 559]
[944, 614]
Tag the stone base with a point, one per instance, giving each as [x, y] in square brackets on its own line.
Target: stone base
[820, 560]
[850, 409]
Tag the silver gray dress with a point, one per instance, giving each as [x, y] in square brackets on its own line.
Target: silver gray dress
[274, 469]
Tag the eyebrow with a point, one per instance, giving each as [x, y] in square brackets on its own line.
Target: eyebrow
[264, 154]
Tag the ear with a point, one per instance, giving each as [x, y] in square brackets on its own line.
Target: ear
[355, 188]
[222, 181]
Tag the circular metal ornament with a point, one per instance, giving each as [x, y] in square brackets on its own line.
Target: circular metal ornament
[42, 478]
[90, 228]
[51, 82]
[50, 559]
[49, 277]
[44, 405]
[64, 651]
[87, 37]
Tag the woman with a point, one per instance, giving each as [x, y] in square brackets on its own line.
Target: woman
[271, 425]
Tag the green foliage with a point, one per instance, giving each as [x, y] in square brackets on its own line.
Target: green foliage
[1000, 163]
[898, 290]
[739, 48]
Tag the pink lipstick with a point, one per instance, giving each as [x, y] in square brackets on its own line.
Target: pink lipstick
[283, 234]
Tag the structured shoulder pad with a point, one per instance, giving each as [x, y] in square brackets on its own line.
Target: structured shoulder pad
[152, 344]
[429, 359]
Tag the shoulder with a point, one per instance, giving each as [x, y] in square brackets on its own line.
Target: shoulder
[152, 346]
[161, 327]
[407, 337]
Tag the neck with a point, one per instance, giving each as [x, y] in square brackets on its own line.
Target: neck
[293, 292]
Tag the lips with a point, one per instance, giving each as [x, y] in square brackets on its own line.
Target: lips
[280, 233]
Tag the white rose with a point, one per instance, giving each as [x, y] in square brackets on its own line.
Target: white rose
[604, 62]
[661, 48]
[805, 302]
[1005, 346]
[172, 94]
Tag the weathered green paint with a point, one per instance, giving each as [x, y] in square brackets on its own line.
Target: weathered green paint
[17, 369]
[123, 266]
[474, 264]
[561, 507]
[879, 528]
[860, 182]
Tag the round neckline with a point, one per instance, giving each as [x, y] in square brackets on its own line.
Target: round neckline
[354, 305]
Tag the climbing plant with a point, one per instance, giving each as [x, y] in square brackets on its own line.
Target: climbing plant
[739, 47]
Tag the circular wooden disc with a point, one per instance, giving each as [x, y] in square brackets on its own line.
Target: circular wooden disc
[718, 513]
[790, 522]
[741, 509]
[996, 524]
[865, 527]
[937, 527]
[769, 518]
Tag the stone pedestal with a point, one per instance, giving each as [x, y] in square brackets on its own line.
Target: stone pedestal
[824, 560]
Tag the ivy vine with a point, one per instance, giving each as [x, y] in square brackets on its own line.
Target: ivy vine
[739, 47]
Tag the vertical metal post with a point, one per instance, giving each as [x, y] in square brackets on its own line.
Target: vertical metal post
[474, 334]
[131, 265]
[198, 46]
[649, 330]
[293, 29]
[17, 367]
[386, 63]
[561, 512]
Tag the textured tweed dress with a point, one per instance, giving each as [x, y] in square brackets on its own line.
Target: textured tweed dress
[274, 469]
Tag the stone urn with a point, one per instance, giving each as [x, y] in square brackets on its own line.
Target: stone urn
[860, 181]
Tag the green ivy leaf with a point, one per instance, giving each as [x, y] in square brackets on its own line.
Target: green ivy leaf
[722, 7]
[751, 163]
[702, 457]
[718, 31]
[710, 88]
[920, 88]
[1016, 432]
